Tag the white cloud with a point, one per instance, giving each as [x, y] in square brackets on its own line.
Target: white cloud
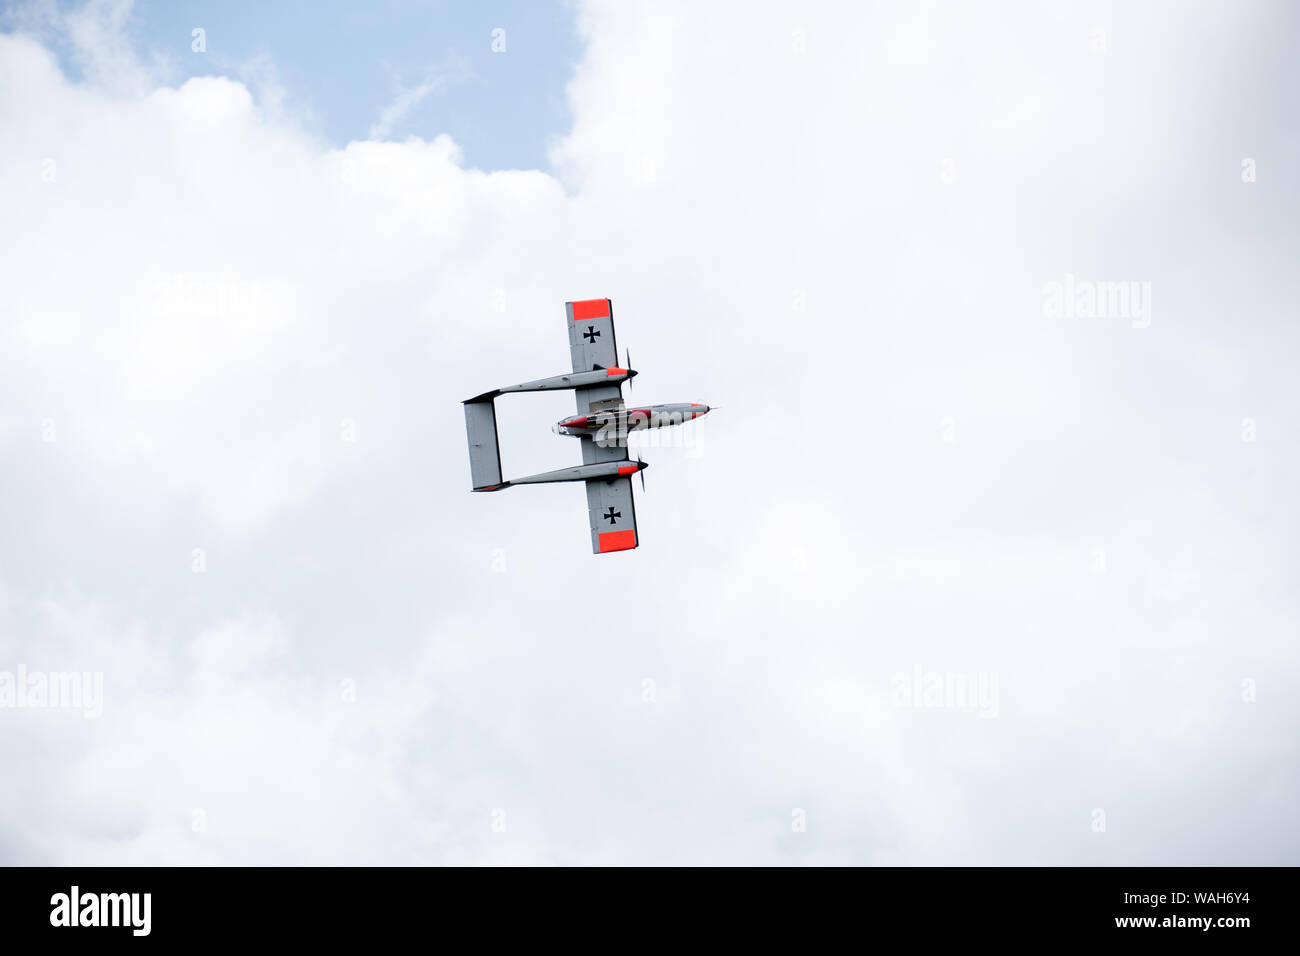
[405, 101]
[204, 294]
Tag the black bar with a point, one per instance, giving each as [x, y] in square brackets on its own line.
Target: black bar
[917, 907]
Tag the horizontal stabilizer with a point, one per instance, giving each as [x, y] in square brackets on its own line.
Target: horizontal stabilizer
[484, 451]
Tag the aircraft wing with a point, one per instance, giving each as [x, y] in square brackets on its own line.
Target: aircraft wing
[610, 509]
[612, 514]
[591, 345]
[593, 451]
[591, 334]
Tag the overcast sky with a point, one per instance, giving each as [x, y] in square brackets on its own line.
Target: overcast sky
[987, 557]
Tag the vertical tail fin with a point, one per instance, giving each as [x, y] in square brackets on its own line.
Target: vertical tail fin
[484, 452]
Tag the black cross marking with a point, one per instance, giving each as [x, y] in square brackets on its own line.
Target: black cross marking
[612, 514]
[591, 334]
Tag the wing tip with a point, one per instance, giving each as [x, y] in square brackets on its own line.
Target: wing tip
[584, 309]
[610, 541]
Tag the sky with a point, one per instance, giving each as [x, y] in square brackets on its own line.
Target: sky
[987, 555]
[349, 71]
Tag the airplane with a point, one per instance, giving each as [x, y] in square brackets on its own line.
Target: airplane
[602, 424]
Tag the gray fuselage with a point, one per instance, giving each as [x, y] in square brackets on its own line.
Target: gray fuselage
[629, 419]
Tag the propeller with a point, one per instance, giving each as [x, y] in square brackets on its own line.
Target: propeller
[628, 353]
[641, 471]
